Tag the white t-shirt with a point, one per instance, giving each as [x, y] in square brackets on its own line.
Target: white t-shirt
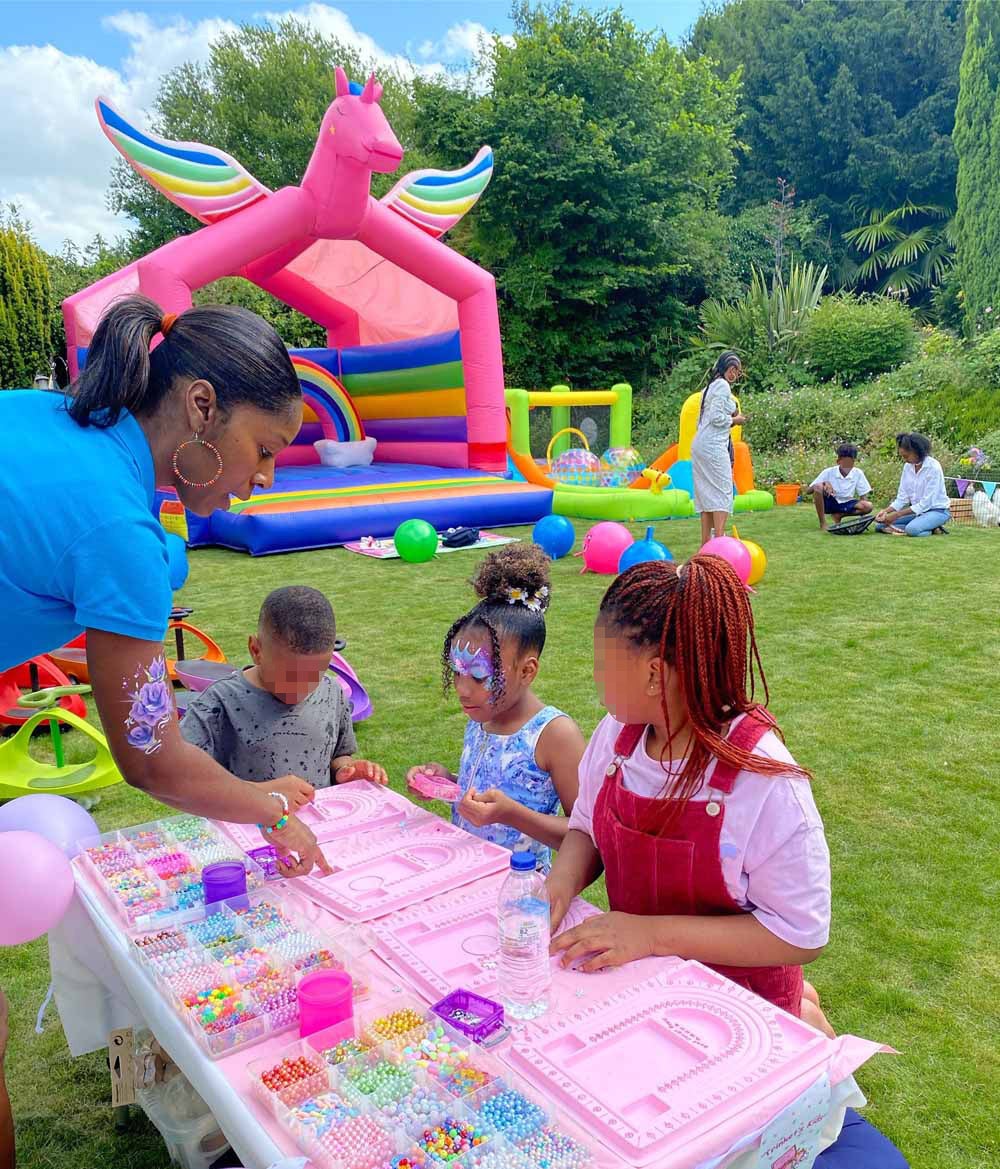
[775, 860]
[845, 487]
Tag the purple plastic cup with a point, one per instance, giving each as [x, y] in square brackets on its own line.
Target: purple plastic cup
[225, 881]
[325, 999]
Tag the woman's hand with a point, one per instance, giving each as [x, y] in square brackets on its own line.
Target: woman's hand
[437, 770]
[886, 515]
[296, 790]
[298, 850]
[739, 419]
[362, 769]
[488, 807]
[611, 939]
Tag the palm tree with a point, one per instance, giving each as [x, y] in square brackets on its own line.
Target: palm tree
[908, 250]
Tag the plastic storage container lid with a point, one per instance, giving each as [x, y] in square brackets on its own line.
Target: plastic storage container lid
[523, 861]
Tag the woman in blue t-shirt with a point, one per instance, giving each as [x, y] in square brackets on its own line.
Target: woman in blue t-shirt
[205, 411]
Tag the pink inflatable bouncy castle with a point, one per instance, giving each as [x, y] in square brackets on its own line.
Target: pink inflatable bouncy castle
[413, 354]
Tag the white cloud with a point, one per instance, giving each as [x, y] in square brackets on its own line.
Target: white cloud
[461, 42]
[57, 163]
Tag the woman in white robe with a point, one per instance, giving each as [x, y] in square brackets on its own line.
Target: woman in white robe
[711, 450]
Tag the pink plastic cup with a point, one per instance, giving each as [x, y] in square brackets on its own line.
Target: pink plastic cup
[325, 999]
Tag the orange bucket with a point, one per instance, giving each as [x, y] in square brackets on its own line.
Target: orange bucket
[786, 493]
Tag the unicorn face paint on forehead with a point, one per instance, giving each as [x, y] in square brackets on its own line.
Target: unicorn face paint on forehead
[469, 663]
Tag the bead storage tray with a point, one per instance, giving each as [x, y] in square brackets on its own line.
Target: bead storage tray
[692, 1054]
[337, 811]
[393, 868]
[232, 974]
[454, 941]
[151, 873]
[397, 1104]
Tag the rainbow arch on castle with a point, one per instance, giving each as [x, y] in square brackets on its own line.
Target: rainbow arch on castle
[327, 401]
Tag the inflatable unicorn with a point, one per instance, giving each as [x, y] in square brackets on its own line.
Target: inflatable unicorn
[309, 243]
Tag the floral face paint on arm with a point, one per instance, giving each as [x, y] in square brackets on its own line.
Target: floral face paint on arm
[152, 706]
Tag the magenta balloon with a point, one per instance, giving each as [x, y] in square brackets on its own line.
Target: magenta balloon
[36, 887]
[603, 546]
[58, 819]
[733, 551]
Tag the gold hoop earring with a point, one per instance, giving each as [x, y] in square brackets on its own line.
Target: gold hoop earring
[197, 440]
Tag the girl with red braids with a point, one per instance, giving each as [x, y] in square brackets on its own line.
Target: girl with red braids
[702, 821]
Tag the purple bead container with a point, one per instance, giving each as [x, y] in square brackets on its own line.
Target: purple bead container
[225, 881]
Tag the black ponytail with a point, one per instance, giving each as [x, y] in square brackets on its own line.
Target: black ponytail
[232, 348]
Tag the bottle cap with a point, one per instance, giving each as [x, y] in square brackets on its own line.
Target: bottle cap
[522, 861]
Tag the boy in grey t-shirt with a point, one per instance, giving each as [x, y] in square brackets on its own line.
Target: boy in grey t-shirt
[286, 714]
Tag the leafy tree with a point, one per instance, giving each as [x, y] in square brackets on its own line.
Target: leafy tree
[845, 98]
[601, 221]
[977, 124]
[25, 304]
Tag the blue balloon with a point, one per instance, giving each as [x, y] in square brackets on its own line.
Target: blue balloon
[643, 550]
[555, 535]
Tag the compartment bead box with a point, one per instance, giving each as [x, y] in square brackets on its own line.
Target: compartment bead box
[152, 873]
[232, 975]
[389, 1095]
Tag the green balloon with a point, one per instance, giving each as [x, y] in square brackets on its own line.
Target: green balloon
[416, 541]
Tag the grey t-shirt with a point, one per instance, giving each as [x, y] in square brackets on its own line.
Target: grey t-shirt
[258, 737]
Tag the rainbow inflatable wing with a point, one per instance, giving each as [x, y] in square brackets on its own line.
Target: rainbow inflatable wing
[435, 200]
[202, 180]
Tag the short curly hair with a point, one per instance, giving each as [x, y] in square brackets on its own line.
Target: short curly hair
[301, 618]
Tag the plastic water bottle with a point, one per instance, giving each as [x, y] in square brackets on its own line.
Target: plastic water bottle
[525, 973]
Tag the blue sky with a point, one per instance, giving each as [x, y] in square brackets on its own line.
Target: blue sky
[57, 55]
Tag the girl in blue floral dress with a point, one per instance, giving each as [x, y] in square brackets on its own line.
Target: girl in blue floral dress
[519, 757]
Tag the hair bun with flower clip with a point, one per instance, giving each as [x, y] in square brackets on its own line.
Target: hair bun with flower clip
[534, 601]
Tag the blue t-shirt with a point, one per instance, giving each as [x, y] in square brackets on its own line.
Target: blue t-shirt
[80, 547]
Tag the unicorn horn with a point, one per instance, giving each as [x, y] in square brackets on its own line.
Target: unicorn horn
[372, 91]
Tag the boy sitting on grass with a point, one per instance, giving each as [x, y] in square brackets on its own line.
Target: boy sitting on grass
[286, 714]
[840, 489]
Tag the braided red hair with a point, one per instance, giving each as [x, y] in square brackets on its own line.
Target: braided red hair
[699, 620]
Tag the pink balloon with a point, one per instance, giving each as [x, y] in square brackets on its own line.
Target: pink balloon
[36, 886]
[733, 551]
[603, 546]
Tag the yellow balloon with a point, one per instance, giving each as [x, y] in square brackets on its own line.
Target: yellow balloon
[758, 561]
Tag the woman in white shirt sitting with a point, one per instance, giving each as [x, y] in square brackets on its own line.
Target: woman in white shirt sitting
[921, 506]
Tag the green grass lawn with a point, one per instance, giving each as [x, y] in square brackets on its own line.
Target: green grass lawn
[876, 651]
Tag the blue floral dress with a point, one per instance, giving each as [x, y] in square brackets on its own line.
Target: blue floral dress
[507, 762]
